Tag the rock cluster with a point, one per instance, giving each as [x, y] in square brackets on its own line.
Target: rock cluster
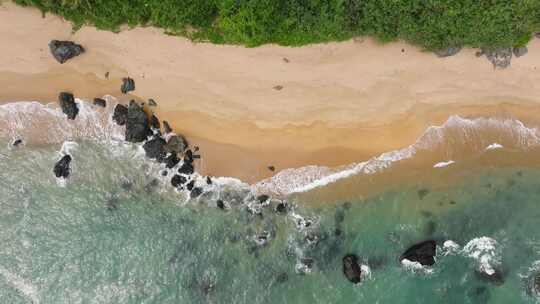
[62, 51]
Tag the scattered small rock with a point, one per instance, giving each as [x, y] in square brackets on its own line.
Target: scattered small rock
[282, 277]
[520, 51]
[278, 87]
[106, 75]
[195, 192]
[262, 198]
[68, 105]
[154, 122]
[17, 142]
[176, 144]
[272, 168]
[451, 51]
[178, 180]
[190, 185]
[100, 102]
[500, 58]
[171, 160]
[128, 85]
[537, 35]
[423, 253]
[62, 51]
[351, 268]
[208, 180]
[152, 103]
[188, 157]
[220, 204]
[422, 193]
[61, 168]
[286, 60]
[282, 208]
[120, 114]
[496, 278]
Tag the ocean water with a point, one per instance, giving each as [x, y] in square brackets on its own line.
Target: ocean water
[116, 231]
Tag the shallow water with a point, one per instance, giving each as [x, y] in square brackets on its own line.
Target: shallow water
[116, 231]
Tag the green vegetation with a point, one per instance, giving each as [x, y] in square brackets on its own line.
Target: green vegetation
[432, 24]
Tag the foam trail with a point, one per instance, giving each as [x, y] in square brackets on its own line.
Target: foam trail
[494, 146]
[443, 164]
[25, 288]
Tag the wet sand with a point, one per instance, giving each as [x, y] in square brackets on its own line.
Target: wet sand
[339, 102]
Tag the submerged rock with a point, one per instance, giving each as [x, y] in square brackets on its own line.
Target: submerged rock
[352, 269]
[500, 58]
[17, 142]
[154, 148]
[62, 51]
[137, 124]
[220, 204]
[497, 277]
[61, 168]
[451, 51]
[120, 114]
[423, 253]
[128, 85]
[282, 208]
[263, 198]
[171, 161]
[100, 102]
[68, 105]
[520, 51]
[195, 192]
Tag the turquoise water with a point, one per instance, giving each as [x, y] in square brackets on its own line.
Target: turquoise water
[112, 235]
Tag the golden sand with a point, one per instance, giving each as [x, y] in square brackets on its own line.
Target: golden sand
[339, 103]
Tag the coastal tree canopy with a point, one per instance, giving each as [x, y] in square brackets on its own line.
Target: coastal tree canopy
[432, 24]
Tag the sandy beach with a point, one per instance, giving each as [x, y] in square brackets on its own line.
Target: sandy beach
[338, 103]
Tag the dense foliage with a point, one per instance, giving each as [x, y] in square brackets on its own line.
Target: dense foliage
[433, 24]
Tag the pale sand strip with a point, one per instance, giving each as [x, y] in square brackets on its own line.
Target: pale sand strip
[340, 102]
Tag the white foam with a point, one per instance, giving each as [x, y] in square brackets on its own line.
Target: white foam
[485, 251]
[450, 247]
[494, 146]
[443, 164]
[26, 288]
[415, 266]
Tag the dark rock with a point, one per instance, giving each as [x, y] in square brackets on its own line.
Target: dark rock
[188, 157]
[282, 208]
[339, 215]
[152, 102]
[220, 204]
[154, 148]
[422, 193]
[423, 253]
[497, 278]
[100, 102]
[171, 161]
[107, 75]
[451, 51]
[278, 88]
[190, 185]
[128, 85]
[208, 180]
[196, 156]
[196, 192]
[164, 173]
[61, 168]
[352, 269]
[166, 127]
[112, 204]
[126, 184]
[500, 58]
[537, 35]
[154, 122]
[306, 265]
[520, 51]
[151, 185]
[272, 168]
[178, 180]
[62, 51]
[186, 168]
[17, 142]
[137, 125]
[120, 114]
[262, 198]
[176, 144]
[68, 105]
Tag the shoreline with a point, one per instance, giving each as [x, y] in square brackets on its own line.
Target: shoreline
[350, 99]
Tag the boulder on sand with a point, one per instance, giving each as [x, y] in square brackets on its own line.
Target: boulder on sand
[137, 124]
[61, 168]
[68, 105]
[451, 51]
[176, 144]
[100, 102]
[120, 114]
[128, 85]
[500, 58]
[351, 268]
[423, 253]
[62, 51]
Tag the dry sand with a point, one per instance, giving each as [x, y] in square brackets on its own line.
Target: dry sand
[339, 102]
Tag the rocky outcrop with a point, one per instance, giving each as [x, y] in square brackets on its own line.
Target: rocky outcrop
[154, 148]
[352, 269]
[423, 253]
[166, 127]
[100, 102]
[176, 144]
[178, 180]
[171, 161]
[61, 168]
[62, 51]
[120, 114]
[451, 51]
[68, 105]
[500, 58]
[520, 51]
[137, 124]
[154, 122]
[186, 168]
[282, 208]
[128, 85]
